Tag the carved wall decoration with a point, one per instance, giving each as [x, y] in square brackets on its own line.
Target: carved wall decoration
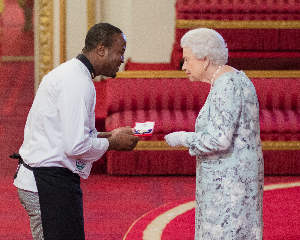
[44, 30]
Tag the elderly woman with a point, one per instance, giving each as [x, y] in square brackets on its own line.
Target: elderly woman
[226, 142]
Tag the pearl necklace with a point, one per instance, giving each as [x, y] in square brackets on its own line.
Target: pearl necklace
[215, 76]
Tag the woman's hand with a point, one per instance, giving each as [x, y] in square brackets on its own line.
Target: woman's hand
[177, 139]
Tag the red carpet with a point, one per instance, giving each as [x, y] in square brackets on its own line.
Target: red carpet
[281, 219]
[112, 204]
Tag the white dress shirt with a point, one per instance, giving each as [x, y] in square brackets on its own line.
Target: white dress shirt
[60, 129]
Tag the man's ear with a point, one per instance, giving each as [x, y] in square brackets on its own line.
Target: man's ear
[101, 50]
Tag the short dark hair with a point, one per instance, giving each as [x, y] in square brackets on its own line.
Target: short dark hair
[100, 33]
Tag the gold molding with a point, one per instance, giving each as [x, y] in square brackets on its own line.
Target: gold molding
[281, 186]
[281, 145]
[266, 145]
[62, 31]
[273, 73]
[91, 14]
[45, 38]
[152, 74]
[232, 24]
[156, 145]
[182, 74]
[17, 58]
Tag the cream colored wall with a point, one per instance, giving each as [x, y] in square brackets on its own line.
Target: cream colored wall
[148, 26]
[153, 30]
[56, 33]
[119, 13]
[76, 26]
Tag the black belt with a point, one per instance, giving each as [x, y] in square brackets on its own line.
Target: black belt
[18, 156]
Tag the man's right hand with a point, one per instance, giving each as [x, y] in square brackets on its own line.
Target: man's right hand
[122, 141]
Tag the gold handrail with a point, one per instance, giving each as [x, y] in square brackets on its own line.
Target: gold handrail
[266, 145]
[182, 74]
[234, 24]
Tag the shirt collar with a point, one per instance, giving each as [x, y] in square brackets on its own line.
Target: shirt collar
[87, 63]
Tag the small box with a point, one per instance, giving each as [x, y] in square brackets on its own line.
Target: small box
[144, 129]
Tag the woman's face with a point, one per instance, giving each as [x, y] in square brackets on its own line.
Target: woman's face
[193, 66]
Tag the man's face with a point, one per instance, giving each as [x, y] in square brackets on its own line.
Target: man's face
[115, 56]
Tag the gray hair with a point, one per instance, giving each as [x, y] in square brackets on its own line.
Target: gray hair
[205, 42]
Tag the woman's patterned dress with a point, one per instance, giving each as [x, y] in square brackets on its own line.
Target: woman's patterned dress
[230, 172]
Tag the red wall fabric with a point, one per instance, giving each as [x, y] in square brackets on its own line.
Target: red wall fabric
[237, 6]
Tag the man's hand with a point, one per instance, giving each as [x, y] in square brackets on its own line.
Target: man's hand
[121, 141]
[127, 130]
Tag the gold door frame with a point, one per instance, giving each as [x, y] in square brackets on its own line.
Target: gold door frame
[43, 39]
[44, 17]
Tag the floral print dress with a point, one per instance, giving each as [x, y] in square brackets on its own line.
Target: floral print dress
[230, 173]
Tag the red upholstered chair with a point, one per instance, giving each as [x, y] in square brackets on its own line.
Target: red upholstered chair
[279, 101]
[261, 35]
[101, 109]
[174, 103]
[100, 166]
[1, 27]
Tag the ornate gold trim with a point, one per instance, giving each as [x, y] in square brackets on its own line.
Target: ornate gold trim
[281, 145]
[1, 6]
[273, 73]
[91, 14]
[62, 31]
[227, 24]
[182, 74]
[156, 145]
[17, 58]
[267, 145]
[45, 35]
[152, 74]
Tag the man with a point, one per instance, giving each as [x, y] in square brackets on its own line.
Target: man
[60, 139]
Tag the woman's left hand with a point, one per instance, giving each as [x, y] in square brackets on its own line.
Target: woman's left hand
[176, 139]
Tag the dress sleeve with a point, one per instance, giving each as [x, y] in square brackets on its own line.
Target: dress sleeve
[76, 105]
[224, 108]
